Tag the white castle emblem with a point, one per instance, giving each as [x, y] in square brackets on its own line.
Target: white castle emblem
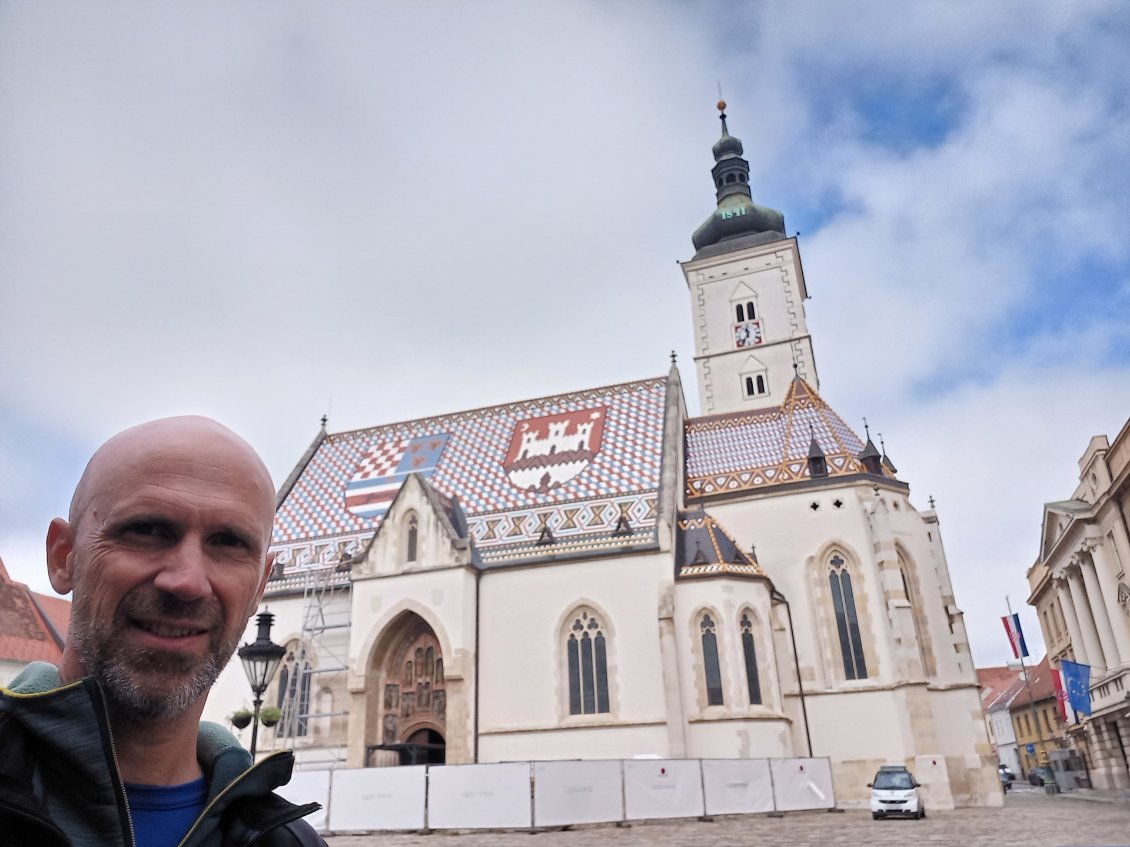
[548, 452]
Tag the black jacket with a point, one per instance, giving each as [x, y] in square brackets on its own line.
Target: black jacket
[60, 786]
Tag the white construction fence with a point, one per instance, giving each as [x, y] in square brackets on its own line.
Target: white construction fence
[524, 795]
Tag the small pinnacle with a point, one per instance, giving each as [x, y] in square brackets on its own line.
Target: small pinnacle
[882, 446]
[673, 357]
[325, 420]
[866, 429]
[931, 501]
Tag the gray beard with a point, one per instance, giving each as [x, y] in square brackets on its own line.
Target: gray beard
[125, 674]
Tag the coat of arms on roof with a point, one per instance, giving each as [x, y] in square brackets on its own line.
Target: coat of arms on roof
[384, 467]
[549, 451]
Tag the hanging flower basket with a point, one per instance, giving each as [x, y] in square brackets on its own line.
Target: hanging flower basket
[270, 716]
[240, 719]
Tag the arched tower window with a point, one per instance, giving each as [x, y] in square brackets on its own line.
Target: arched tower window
[586, 652]
[711, 668]
[749, 653]
[847, 619]
[750, 311]
[740, 309]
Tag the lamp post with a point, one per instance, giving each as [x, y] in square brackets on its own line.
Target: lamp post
[260, 659]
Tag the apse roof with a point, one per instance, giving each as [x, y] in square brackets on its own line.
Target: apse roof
[704, 548]
[759, 449]
[585, 466]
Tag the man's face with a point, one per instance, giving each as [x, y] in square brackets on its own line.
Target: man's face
[168, 562]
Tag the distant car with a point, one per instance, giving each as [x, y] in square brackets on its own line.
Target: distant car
[895, 793]
[1041, 775]
[1006, 777]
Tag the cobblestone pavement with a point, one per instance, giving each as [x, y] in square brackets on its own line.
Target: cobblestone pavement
[1028, 819]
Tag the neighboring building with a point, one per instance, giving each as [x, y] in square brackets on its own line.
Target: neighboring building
[1082, 595]
[33, 626]
[576, 576]
[999, 687]
[1036, 722]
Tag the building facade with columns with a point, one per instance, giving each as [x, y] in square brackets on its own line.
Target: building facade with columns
[602, 574]
[1081, 592]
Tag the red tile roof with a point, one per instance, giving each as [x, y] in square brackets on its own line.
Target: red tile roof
[32, 626]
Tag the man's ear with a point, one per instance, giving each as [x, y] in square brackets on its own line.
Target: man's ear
[268, 566]
[60, 555]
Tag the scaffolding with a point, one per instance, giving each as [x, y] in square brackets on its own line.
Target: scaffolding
[312, 681]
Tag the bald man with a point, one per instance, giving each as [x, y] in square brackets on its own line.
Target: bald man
[165, 548]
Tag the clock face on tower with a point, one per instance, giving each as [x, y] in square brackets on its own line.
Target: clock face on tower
[747, 334]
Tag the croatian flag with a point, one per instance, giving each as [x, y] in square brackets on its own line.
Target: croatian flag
[1061, 696]
[1015, 635]
[1077, 681]
[385, 466]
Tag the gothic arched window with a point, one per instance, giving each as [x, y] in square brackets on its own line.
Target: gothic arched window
[711, 668]
[586, 651]
[847, 619]
[741, 313]
[749, 653]
[413, 537]
[294, 692]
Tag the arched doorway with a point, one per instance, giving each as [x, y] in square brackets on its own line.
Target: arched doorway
[412, 723]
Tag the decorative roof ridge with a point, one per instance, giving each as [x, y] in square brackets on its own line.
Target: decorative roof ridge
[765, 412]
[603, 389]
[296, 474]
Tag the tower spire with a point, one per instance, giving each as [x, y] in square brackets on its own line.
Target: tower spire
[737, 218]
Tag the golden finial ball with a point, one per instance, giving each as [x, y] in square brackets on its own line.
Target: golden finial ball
[721, 105]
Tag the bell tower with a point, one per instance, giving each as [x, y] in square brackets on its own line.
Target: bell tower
[747, 296]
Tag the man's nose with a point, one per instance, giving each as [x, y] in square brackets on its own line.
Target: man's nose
[184, 571]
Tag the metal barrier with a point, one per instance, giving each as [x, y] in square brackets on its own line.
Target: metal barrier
[521, 795]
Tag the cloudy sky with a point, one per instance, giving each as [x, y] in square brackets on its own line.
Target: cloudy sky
[265, 212]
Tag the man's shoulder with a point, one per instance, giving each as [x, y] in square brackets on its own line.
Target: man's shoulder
[36, 678]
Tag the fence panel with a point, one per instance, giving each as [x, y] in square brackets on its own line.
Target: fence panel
[737, 786]
[578, 792]
[309, 787]
[378, 798]
[479, 796]
[662, 788]
[802, 784]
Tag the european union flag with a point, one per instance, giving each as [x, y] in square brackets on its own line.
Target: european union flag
[1077, 681]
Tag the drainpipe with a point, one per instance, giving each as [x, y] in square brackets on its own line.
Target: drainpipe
[778, 597]
[475, 728]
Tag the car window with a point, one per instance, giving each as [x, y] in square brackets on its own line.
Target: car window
[893, 781]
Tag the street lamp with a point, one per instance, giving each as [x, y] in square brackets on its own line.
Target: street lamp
[260, 659]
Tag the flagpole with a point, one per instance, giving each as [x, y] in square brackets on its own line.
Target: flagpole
[1031, 703]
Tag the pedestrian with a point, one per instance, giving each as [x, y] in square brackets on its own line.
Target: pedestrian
[166, 550]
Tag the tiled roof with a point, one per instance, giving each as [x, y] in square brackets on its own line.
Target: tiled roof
[25, 634]
[584, 465]
[1041, 685]
[704, 548]
[997, 682]
[748, 451]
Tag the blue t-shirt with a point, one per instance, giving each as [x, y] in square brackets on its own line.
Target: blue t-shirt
[162, 814]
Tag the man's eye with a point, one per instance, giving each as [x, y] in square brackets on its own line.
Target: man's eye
[228, 539]
[147, 529]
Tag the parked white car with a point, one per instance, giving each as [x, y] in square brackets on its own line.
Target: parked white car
[896, 793]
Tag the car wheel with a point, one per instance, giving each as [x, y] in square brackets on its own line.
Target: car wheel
[875, 816]
[922, 812]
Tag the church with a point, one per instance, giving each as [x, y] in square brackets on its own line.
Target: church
[600, 574]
